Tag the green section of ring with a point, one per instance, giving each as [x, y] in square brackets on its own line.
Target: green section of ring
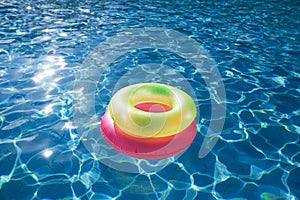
[152, 124]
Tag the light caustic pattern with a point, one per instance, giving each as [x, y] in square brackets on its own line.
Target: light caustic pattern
[43, 153]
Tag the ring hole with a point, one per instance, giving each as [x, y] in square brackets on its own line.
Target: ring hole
[153, 107]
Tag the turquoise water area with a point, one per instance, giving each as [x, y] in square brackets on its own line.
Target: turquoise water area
[44, 48]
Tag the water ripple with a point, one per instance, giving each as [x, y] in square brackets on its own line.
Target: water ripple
[255, 46]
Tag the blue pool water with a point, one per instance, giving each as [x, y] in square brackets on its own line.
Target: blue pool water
[49, 49]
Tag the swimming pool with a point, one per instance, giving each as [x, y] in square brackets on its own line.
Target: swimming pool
[52, 60]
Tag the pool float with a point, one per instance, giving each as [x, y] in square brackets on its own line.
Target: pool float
[150, 121]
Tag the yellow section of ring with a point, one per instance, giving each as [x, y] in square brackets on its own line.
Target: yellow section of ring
[152, 124]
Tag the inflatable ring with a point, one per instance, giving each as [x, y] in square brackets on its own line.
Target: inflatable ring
[167, 111]
[136, 122]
